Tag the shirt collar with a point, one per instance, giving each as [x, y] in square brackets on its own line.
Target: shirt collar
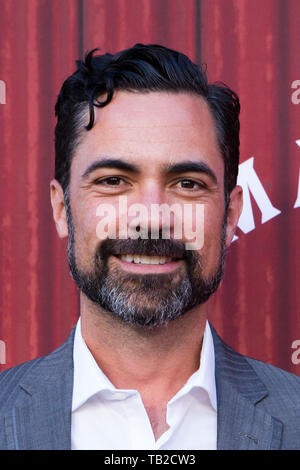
[89, 379]
[204, 377]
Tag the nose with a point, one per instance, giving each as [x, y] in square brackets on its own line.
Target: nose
[150, 215]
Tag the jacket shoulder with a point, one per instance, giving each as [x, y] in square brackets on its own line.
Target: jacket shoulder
[34, 373]
[256, 378]
[266, 371]
[283, 385]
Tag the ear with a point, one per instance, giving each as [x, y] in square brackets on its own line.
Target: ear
[234, 211]
[58, 208]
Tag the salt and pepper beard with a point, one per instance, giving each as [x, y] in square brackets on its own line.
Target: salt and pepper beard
[144, 299]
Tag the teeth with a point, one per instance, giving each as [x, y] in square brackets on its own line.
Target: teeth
[128, 258]
[142, 259]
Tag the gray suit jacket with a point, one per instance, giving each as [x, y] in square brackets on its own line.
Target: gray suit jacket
[258, 404]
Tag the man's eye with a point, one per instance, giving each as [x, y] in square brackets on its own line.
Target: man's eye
[190, 184]
[110, 181]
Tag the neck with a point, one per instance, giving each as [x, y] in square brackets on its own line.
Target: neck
[156, 361]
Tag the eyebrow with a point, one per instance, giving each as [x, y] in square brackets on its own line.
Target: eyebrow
[110, 163]
[190, 165]
[182, 167]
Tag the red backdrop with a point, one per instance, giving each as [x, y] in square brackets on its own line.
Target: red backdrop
[251, 45]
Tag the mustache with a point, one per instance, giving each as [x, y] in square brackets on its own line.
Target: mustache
[148, 247]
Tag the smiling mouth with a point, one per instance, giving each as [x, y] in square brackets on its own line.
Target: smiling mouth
[146, 260]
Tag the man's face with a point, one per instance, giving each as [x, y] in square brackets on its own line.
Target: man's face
[153, 148]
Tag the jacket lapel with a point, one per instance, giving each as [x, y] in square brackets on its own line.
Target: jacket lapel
[41, 420]
[241, 424]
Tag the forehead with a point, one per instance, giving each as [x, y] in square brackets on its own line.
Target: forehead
[151, 129]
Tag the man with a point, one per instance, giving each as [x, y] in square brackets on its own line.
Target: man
[143, 368]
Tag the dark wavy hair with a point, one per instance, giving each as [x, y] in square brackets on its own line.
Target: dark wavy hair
[142, 68]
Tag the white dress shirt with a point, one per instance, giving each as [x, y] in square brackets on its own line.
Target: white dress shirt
[104, 417]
